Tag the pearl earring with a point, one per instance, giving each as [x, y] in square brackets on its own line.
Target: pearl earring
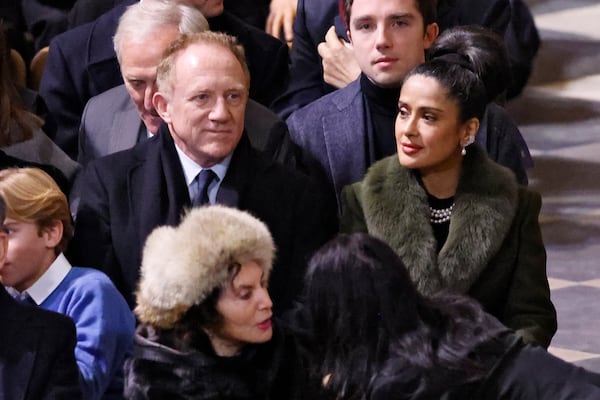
[470, 140]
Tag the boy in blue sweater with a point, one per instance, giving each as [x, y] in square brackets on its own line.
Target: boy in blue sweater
[38, 223]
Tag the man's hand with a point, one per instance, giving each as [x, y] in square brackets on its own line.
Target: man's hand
[339, 65]
[281, 16]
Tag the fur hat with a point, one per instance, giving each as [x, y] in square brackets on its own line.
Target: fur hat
[182, 265]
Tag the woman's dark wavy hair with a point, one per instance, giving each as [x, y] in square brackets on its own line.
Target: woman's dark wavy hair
[361, 310]
[189, 333]
[472, 64]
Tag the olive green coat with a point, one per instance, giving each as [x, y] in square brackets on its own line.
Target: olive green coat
[494, 250]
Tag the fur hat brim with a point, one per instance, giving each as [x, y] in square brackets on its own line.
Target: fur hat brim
[182, 265]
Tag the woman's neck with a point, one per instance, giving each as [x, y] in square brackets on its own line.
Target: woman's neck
[441, 184]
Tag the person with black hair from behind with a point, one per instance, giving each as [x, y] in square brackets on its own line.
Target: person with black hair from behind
[367, 333]
[459, 221]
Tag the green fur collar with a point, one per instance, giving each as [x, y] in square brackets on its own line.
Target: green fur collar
[396, 210]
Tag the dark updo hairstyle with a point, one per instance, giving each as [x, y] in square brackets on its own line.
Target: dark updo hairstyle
[472, 64]
[360, 311]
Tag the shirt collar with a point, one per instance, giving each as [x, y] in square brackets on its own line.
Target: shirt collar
[50, 280]
[191, 168]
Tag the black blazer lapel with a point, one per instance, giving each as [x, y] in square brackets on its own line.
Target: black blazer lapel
[241, 172]
[345, 130]
[158, 191]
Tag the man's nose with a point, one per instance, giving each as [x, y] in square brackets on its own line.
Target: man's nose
[148, 93]
[383, 37]
[220, 110]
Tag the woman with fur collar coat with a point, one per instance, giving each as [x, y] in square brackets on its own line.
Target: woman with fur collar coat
[459, 221]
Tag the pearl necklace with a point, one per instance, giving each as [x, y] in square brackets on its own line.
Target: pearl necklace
[440, 216]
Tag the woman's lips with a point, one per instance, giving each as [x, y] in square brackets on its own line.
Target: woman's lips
[265, 325]
[410, 149]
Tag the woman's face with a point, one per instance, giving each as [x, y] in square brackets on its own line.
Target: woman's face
[429, 134]
[245, 309]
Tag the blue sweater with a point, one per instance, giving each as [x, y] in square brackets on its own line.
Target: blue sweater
[105, 329]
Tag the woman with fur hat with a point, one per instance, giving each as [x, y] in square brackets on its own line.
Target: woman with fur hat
[458, 220]
[206, 329]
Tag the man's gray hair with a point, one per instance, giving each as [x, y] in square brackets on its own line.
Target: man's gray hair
[142, 21]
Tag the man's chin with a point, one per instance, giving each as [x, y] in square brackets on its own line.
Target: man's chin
[388, 80]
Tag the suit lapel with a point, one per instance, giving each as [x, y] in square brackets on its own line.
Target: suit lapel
[158, 192]
[344, 136]
[126, 126]
[239, 174]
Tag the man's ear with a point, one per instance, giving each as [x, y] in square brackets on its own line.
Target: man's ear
[161, 105]
[53, 234]
[431, 33]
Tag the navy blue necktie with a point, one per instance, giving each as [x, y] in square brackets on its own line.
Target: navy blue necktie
[203, 181]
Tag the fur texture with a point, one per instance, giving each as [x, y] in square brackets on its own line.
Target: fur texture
[396, 210]
[182, 265]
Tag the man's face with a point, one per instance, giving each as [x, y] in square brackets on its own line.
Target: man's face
[209, 8]
[388, 39]
[138, 67]
[205, 106]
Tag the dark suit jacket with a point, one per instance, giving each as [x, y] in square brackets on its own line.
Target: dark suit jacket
[306, 84]
[127, 194]
[253, 12]
[37, 353]
[45, 19]
[332, 135]
[82, 63]
[84, 11]
[509, 18]
[100, 136]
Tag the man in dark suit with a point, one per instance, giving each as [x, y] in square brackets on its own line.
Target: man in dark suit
[37, 348]
[202, 95]
[130, 105]
[341, 134]
[509, 18]
[82, 63]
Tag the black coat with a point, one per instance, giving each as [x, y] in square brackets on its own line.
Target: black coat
[124, 196]
[37, 353]
[519, 372]
[260, 372]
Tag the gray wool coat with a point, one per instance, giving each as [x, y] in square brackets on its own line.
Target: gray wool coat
[494, 250]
